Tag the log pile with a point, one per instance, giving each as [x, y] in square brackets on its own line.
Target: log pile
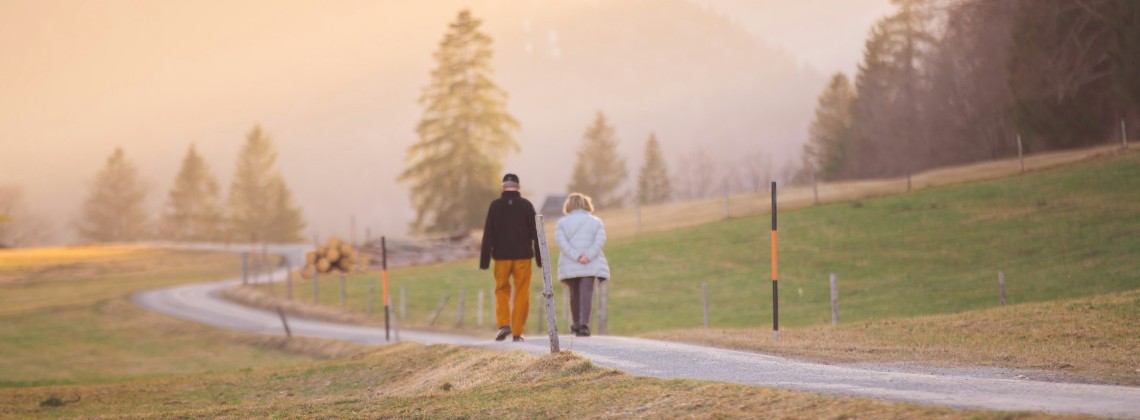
[337, 255]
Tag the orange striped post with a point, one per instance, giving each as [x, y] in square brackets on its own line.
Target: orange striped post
[775, 276]
[384, 277]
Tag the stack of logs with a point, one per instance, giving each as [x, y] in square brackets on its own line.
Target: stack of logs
[337, 255]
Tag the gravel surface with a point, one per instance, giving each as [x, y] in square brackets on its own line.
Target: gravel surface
[985, 388]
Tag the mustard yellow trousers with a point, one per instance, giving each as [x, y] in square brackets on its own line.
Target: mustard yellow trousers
[506, 313]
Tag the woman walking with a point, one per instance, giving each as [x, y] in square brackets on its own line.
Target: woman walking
[580, 237]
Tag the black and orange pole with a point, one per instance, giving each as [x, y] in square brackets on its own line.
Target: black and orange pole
[384, 277]
[775, 276]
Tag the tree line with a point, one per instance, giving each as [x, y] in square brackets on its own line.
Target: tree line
[259, 208]
[958, 81]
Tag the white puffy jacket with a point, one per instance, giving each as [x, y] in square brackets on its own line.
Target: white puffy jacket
[581, 233]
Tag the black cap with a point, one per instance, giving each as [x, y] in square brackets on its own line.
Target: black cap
[510, 178]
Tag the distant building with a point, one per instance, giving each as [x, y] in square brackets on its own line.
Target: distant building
[552, 207]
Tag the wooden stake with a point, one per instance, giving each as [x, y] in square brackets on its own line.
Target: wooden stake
[547, 284]
[1001, 286]
[459, 310]
[834, 301]
[439, 309]
[284, 323]
[705, 292]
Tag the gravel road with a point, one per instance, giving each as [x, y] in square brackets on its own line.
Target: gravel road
[947, 387]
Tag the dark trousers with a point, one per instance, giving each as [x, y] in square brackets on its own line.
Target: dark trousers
[581, 298]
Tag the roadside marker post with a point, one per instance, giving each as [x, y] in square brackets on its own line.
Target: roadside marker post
[547, 285]
[384, 280]
[775, 276]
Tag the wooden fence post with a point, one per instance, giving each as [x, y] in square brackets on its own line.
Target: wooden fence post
[342, 291]
[547, 285]
[371, 293]
[834, 301]
[459, 310]
[705, 293]
[244, 267]
[479, 318]
[285, 323]
[1001, 286]
[439, 308]
[603, 310]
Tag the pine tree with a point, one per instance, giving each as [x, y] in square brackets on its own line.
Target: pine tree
[260, 204]
[113, 210]
[464, 134]
[288, 222]
[600, 170]
[653, 180]
[826, 150]
[193, 208]
[888, 137]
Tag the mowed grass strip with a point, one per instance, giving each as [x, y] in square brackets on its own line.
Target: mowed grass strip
[1085, 339]
[65, 318]
[1061, 233]
[411, 380]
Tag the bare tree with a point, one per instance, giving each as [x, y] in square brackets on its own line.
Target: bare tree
[696, 176]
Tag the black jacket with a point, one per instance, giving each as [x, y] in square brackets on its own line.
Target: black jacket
[509, 233]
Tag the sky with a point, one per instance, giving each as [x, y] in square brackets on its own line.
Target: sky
[336, 83]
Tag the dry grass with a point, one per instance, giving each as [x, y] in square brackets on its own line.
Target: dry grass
[65, 317]
[32, 279]
[411, 380]
[1089, 339]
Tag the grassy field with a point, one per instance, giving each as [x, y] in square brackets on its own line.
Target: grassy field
[65, 318]
[1056, 234]
[1060, 233]
[413, 381]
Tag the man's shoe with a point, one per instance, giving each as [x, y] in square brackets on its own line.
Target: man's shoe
[518, 338]
[583, 331]
[574, 330]
[503, 333]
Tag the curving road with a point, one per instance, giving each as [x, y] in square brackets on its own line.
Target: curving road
[200, 303]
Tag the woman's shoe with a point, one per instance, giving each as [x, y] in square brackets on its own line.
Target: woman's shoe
[583, 331]
[574, 330]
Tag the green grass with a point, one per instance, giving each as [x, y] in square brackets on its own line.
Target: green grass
[65, 318]
[1066, 232]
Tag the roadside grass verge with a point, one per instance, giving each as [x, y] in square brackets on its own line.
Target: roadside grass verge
[65, 318]
[411, 380]
[1085, 339]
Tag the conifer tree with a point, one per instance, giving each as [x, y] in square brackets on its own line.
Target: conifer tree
[653, 180]
[287, 223]
[260, 205]
[464, 134]
[887, 133]
[600, 170]
[826, 150]
[113, 210]
[193, 208]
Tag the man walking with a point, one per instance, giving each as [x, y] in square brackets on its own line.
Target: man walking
[510, 238]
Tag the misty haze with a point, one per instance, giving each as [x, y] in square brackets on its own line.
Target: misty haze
[335, 86]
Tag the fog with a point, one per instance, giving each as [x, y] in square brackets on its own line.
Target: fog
[336, 85]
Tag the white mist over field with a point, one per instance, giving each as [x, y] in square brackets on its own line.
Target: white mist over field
[336, 85]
